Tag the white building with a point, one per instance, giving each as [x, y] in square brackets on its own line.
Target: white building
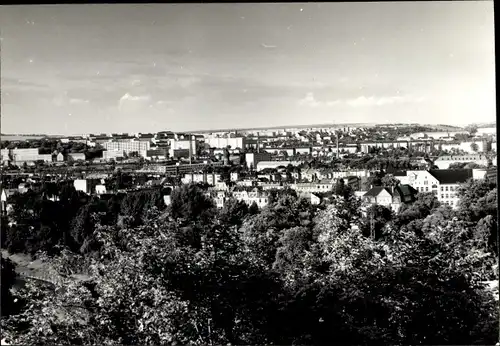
[487, 131]
[321, 186]
[444, 162]
[210, 179]
[441, 182]
[76, 157]
[249, 197]
[252, 159]
[100, 189]
[128, 147]
[466, 146]
[236, 142]
[112, 154]
[275, 164]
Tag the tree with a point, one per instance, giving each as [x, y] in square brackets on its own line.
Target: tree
[189, 203]
[377, 217]
[474, 147]
[390, 181]
[233, 212]
[7, 281]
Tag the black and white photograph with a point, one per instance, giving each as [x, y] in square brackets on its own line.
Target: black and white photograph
[316, 173]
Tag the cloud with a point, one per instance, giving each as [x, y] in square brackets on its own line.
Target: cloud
[309, 100]
[361, 101]
[77, 101]
[267, 46]
[130, 102]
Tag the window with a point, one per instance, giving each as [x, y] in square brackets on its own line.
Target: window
[426, 189]
[442, 196]
[446, 188]
[442, 189]
[447, 196]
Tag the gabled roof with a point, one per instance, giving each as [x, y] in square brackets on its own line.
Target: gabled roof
[451, 176]
[375, 191]
[399, 173]
[406, 192]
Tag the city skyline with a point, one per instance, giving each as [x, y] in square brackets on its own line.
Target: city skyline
[70, 69]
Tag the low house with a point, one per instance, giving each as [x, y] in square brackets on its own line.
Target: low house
[390, 197]
[311, 197]
[76, 157]
[4, 199]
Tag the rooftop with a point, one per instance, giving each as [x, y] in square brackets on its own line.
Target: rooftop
[451, 176]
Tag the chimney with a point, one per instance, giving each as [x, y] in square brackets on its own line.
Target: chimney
[190, 150]
[338, 155]
[258, 142]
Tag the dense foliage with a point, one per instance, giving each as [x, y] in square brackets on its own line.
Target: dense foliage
[291, 273]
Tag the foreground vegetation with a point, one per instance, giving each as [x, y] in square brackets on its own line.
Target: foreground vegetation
[135, 272]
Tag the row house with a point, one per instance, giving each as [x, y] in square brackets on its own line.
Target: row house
[208, 178]
[249, 197]
[330, 174]
[321, 186]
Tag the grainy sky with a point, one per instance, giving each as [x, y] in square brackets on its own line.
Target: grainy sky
[69, 69]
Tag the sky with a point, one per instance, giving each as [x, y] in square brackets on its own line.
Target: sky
[71, 69]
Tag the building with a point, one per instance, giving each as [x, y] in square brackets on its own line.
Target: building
[252, 159]
[487, 131]
[470, 147]
[86, 185]
[236, 142]
[310, 197]
[30, 155]
[320, 186]
[441, 182]
[444, 162]
[310, 174]
[437, 134]
[390, 197]
[128, 146]
[207, 178]
[275, 164]
[157, 154]
[112, 154]
[76, 157]
[249, 197]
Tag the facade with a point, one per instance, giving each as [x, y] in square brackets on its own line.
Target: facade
[482, 146]
[88, 186]
[249, 197]
[207, 178]
[275, 164]
[252, 159]
[112, 154]
[321, 186]
[128, 146]
[219, 143]
[76, 156]
[390, 197]
[311, 197]
[444, 162]
[310, 174]
[487, 131]
[441, 182]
